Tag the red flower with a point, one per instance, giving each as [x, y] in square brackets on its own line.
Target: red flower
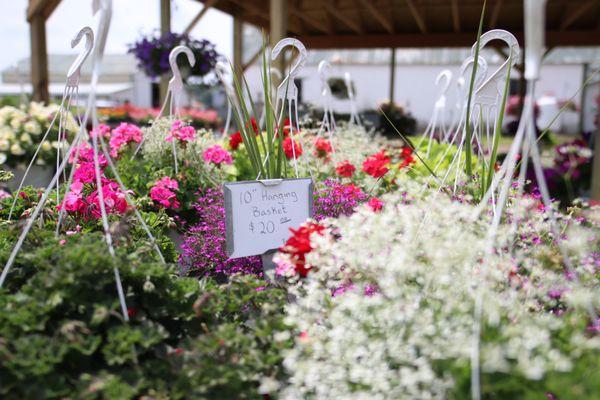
[286, 127]
[291, 148]
[345, 169]
[131, 312]
[375, 204]
[376, 165]
[254, 125]
[406, 155]
[235, 140]
[323, 148]
[298, 245]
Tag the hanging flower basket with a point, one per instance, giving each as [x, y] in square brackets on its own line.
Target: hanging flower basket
[152, 54]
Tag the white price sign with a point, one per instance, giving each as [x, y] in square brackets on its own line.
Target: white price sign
[259, 214]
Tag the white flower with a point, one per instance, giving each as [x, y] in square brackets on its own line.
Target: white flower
[268, 385]
[2, 158]
[17, 150]
[25, 138]
[46, 146]
[4, 145]
[32, 127]
[7, 133]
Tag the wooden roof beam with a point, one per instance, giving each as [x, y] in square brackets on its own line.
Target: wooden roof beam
[455, 16]
[576, 13]
[42, 7]
[343, 18]
[208, 4]
[419, 19]
[309, 21]
[383, 19]
[438, 39]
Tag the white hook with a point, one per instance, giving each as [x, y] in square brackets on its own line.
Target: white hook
[323, 69]
[291, 89]
[446, 75]
[283, 43]
[489, 92]
[75, 69]
[173, 60]
[482, 67]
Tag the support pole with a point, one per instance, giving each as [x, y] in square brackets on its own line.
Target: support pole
[279, 29]
[392, 76]
[595, 189]
[39, 58]
[238, 45]
[165, 27]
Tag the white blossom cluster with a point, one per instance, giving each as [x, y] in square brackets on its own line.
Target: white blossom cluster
[21, 130]
[389, 303]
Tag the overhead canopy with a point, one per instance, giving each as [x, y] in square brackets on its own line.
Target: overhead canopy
[322, 24]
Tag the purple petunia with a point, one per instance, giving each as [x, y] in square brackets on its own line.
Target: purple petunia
[203, 251]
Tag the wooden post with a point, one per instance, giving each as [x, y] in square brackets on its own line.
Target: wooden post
[39, 58]
[238, 45]
[392, 76]
[165, 27]
[279, 29]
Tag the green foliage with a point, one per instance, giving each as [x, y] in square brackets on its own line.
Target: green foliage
[62, 333]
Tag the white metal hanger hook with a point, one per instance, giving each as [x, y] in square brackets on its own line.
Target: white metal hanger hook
[173, 60]
[75, 69]
[283, 43]
[446, 75]
[324, 68]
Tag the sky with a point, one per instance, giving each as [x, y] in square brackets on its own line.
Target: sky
[131, 19]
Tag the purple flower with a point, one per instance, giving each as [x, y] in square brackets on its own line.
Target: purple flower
[203, 250]
[152, 53]
[337, 199]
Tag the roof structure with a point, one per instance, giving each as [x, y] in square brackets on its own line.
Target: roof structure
[326, 24]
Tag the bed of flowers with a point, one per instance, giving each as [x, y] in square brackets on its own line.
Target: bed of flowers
[22, 129]
[373, 298]
[142, 116]
[396, 288]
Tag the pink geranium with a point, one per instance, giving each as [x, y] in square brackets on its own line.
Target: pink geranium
[181, 131]
[86, 154]
[217, 155]
[115, 200]
[85, 173]
[101, 131]
[162, 192]
[74, 199]
[122, 135]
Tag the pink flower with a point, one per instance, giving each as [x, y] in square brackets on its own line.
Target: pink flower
[162, 192]
[86, 154]
[375, 204]
[102, 129]
[85, 173]
[115, 201]
[123, 135]
[73, 201]
[217, 155]
[182, 132]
